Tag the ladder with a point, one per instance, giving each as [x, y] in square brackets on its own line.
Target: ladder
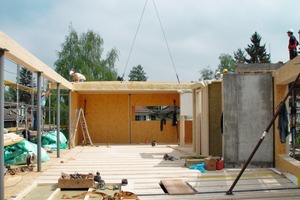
[84, 128]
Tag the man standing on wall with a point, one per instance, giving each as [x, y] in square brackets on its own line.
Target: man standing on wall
[292, 44]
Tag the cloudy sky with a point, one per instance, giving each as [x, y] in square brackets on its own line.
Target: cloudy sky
[197, 31]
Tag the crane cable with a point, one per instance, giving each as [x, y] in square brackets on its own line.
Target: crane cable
[137, 30]
[166, 42]
[165, 38]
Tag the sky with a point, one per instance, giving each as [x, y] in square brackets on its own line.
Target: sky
[197, 32]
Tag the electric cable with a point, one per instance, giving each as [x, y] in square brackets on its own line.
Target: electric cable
[134, 39]
[10, 72]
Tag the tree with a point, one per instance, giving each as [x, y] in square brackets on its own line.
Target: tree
[84, 54]
[226, 62]
[256, 51]
[10, 94]
[239, 56]
[206, 74]
[26, 79]
[137, 74]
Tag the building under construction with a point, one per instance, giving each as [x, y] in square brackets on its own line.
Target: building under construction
[233, 120]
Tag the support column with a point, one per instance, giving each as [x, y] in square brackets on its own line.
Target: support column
[58, 119]
[39, 118]
[18, 98]
[2, 123]
[182, 130]
[129, 118]
[69, 124]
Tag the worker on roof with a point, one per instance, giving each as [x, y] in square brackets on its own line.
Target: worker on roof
[293, 43]
[219, 76]
[77, 77]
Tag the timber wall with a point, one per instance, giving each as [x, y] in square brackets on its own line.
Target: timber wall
[110, 118]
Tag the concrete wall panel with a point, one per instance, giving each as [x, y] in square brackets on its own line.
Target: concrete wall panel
[247, 112]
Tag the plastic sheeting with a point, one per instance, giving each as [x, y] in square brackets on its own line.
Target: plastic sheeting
[200, 167]
[50, 140]
[16, 154]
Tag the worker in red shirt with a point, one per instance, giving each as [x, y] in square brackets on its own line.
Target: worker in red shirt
[293, 43]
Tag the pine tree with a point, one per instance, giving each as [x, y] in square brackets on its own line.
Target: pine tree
[25, 79]
[137, 74]
[239, 56]
[256, 51]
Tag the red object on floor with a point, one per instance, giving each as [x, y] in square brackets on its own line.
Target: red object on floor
[220, 164]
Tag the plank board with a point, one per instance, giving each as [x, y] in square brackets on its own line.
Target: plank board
[144, 168]
[177, 186]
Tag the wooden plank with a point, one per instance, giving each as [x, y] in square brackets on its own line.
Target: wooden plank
[144, 168]
[12, 138]
[18, 54]
[177, 186]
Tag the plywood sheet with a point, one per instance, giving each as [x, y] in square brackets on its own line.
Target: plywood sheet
[177, 186]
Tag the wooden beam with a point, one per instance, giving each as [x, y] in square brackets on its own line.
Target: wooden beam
[18, 54]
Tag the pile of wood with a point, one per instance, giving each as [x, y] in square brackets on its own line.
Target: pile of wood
[12, 138]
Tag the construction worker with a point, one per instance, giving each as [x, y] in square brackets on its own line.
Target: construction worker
[219, 76]
[77, 77]
[292, 44]
[44, 98]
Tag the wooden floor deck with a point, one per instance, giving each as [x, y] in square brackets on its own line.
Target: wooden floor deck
[143, 166]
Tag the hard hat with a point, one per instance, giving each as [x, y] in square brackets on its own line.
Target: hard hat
[71, 72]
[290, 31]
[225, 70]
[218, 73]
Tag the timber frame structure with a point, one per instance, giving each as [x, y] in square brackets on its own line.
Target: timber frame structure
[128, 94]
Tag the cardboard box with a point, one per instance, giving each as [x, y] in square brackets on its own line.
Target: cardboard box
[210, 164]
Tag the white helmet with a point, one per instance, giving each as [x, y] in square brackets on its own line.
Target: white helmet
[71, 72]
[290, 31]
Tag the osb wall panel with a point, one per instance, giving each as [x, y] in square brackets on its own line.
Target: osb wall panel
[188, 131]
[215, 112]
[107, 117]
[154, 99]
[147, 131]
[279, 94]
[74, 107]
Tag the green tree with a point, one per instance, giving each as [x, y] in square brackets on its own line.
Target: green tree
[226, 62]
[25, 79]
[137, 74]
[256, 51]
[206, 74]
[10, 94]
[84, 53]
[239, 56]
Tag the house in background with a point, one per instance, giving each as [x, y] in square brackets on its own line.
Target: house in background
[142, 113]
